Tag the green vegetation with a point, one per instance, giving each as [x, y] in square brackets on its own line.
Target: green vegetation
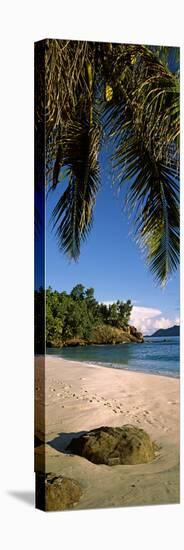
[77, 318]
[127, 97]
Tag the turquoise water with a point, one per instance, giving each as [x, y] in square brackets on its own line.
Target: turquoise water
[155, 355]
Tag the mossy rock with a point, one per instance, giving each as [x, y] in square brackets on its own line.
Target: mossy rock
[56, 492]
[122, 445]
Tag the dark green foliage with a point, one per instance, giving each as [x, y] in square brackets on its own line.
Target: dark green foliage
[75, 315]
[73, 214]
[78, 292]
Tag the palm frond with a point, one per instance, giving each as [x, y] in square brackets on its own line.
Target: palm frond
[151, 92]
[146, 160]
[169, 56]
[73, 214]
[159, 113]
[152, 201]
[131, 92]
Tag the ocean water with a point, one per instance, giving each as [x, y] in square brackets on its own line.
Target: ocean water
[156, 355]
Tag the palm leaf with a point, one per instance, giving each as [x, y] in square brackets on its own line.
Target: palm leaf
[140, 117]
[158, 100]
[73, 214]
[143, 128]
[152, 200]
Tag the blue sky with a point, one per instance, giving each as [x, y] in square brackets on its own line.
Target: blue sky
[112, 263]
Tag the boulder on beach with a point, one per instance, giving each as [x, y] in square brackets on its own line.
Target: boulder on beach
[112, 446]
[56, 492]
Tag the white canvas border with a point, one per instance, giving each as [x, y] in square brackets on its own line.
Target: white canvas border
[139, 22]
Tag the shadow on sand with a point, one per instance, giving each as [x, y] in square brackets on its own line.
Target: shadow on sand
[61, 442]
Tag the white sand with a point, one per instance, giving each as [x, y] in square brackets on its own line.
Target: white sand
[80, 397]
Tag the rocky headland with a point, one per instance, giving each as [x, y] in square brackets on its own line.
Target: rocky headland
[101, 335]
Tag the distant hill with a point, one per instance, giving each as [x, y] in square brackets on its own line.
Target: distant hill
[171, 331]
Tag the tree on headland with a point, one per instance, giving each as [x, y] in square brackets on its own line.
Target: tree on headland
[128, 97]
[76, 315]
[78, 292]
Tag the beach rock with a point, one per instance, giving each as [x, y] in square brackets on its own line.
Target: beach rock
[105, 334]
[56, 492]
[133, 330]
[140, 336]
[122, 445]
[135, 335]
[74, 342]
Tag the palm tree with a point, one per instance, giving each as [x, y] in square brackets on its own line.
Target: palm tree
[126, 96]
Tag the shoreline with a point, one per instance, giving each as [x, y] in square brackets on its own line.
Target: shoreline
[109, 366]
[84, 397]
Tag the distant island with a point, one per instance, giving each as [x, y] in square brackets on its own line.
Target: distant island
[171, 331]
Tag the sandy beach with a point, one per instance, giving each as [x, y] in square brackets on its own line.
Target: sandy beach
[80, 397]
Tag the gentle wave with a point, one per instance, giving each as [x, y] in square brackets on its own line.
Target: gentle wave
[155, 356]
[157, 372]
